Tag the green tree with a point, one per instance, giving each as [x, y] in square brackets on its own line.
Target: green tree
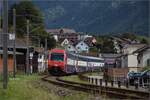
[144, 41]
[131, 36]
[26, 10]
[105, 44]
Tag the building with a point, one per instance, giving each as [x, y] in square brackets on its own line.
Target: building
[64, 33]
[21, 48]
[111, 60]
[71, 48]
[10, 60]
[128, 58]
[82, 47]
[68, 45]
[143, 56]
[90, 41]
[65, 42]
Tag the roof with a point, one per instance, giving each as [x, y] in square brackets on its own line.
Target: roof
[134, 45]
[57, 50]
[20, 42]
[57, 31]
[89, 41]
[11, 52]
[79, 42]
[142, 49]
[110, 55]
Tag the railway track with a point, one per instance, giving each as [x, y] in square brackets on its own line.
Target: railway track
[94, 89]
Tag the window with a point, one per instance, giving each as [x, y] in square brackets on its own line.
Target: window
[78, 47]
[81, 43]
[148, 62]
[57, 56]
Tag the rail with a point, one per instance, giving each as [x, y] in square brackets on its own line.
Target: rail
[96, 89]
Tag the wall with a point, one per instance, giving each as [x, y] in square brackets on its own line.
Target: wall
[82, 47]
[10, 63]
[124, 61]
[146, 56]
[117, 73]
[132, 60]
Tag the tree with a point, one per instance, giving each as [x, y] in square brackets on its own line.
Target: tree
[26, 10]
[105, 44]
[144, 41]
[131, 36]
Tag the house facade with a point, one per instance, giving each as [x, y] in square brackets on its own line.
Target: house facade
[143, 56]
[111, 60]
[10, 60]
[128, 58]
[68, 45]
[82, 47]
[65, 43]
[71, 48]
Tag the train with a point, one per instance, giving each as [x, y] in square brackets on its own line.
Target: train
[62, 62]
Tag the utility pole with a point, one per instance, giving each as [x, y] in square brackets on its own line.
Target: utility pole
[45, 53]
[39, 44]
[14, 43]
[5, 36]
[27, 54]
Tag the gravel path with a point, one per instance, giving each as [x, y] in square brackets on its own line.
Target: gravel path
[63, 92]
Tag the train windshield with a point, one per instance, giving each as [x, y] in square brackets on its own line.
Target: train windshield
[57, 56]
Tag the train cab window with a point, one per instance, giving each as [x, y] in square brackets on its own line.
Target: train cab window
[57, 56]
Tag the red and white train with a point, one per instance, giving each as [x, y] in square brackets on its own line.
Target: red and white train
[61, 61]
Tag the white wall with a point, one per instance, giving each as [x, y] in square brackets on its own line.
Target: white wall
[82, 47]
[70, 48]
[132, 61]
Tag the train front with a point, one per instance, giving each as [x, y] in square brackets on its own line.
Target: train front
[57, 61]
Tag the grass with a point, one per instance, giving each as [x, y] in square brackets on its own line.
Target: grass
[22, 88]
[94, 74]
[74, 78]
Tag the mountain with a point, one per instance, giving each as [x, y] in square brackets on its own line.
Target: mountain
[97, 16]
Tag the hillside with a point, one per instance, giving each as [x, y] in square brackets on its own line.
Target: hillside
[97, 16]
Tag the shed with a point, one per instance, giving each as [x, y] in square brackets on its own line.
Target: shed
[10, 60]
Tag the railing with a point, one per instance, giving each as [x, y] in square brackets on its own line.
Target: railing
[115, 84]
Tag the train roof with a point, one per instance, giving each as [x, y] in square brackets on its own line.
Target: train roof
[86, 57]
[57, 50]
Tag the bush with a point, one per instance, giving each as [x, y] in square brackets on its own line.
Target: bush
[145, 68]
